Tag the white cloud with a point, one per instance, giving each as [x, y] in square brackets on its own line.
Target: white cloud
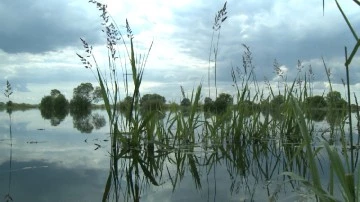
[181, 32]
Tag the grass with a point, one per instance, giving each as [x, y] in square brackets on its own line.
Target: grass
[264, 134]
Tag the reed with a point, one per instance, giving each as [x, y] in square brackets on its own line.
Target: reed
[156, 147]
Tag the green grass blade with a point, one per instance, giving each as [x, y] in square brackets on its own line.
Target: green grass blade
[107, 188]
[104, 96]
[347, 21]
[347, 183]
[304, 131]
[147, 173]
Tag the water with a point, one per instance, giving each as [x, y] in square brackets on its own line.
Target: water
[67, 162]
[54, 164]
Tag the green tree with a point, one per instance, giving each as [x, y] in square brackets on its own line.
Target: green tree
[208, 104]
[54, 93]
[126, 103]
[334, 100]
[277, 101]
[83, 96]
[54, 107]
[55, 102]
[152, 102]
[316, 101]
[79, 104]
[316, 114]
[97, 95]
[222, 102]
[60, 103]
[46, 103]
[84, 91]
[185, 102]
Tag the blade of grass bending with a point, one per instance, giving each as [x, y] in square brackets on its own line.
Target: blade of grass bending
[340, 172]
[318, 192]
[353, 52]
[104, 95]
[304, 131]
[194, 170]
[357, 187]
[107, 188]
[349, 111]
[147, 173]
[348, 61]
[347, 21]
[146, 120]
[357, 2]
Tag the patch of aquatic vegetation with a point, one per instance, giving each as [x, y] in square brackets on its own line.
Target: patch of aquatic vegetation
[264, 137]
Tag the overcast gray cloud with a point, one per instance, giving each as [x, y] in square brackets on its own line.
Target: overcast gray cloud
[39, 45]
[37, 26]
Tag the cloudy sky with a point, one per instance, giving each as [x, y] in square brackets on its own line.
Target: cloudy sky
[39, 41]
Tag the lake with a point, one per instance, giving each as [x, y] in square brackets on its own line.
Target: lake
[69, 160]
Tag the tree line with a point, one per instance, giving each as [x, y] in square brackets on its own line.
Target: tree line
[85, 95]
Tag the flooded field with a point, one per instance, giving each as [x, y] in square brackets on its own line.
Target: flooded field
[43, 162]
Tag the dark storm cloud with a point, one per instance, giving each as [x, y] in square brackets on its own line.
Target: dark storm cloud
[37, 26]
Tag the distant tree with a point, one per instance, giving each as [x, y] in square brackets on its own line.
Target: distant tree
[78, 104]
[54, 93]
[54, 107]
[60, 103]
[334, 100]
[46, 103]
[222, 102]
[277, 101]
[97, 95]
[152, 102]
[247, 107]
[83, 96]
[84, 91]
[316, 101]
[208, 104]
[126, 103]
[315, 114]
[2, 105]
[185, 102]
[55, 102]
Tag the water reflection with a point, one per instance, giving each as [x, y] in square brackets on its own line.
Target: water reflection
[55, 116]
[62, 168]
[317, 115]
[8, 197]
[86, 122]
[230, 166]
[83, 120]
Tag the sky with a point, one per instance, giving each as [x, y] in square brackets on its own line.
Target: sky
[39, 41]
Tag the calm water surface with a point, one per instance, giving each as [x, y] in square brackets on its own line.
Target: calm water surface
[42, 162]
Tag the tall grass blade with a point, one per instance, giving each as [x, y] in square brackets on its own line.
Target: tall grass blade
[347, 21]
[147, 173]
[104, 96]
[307, 140]
[342, 176]
[107, 188]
